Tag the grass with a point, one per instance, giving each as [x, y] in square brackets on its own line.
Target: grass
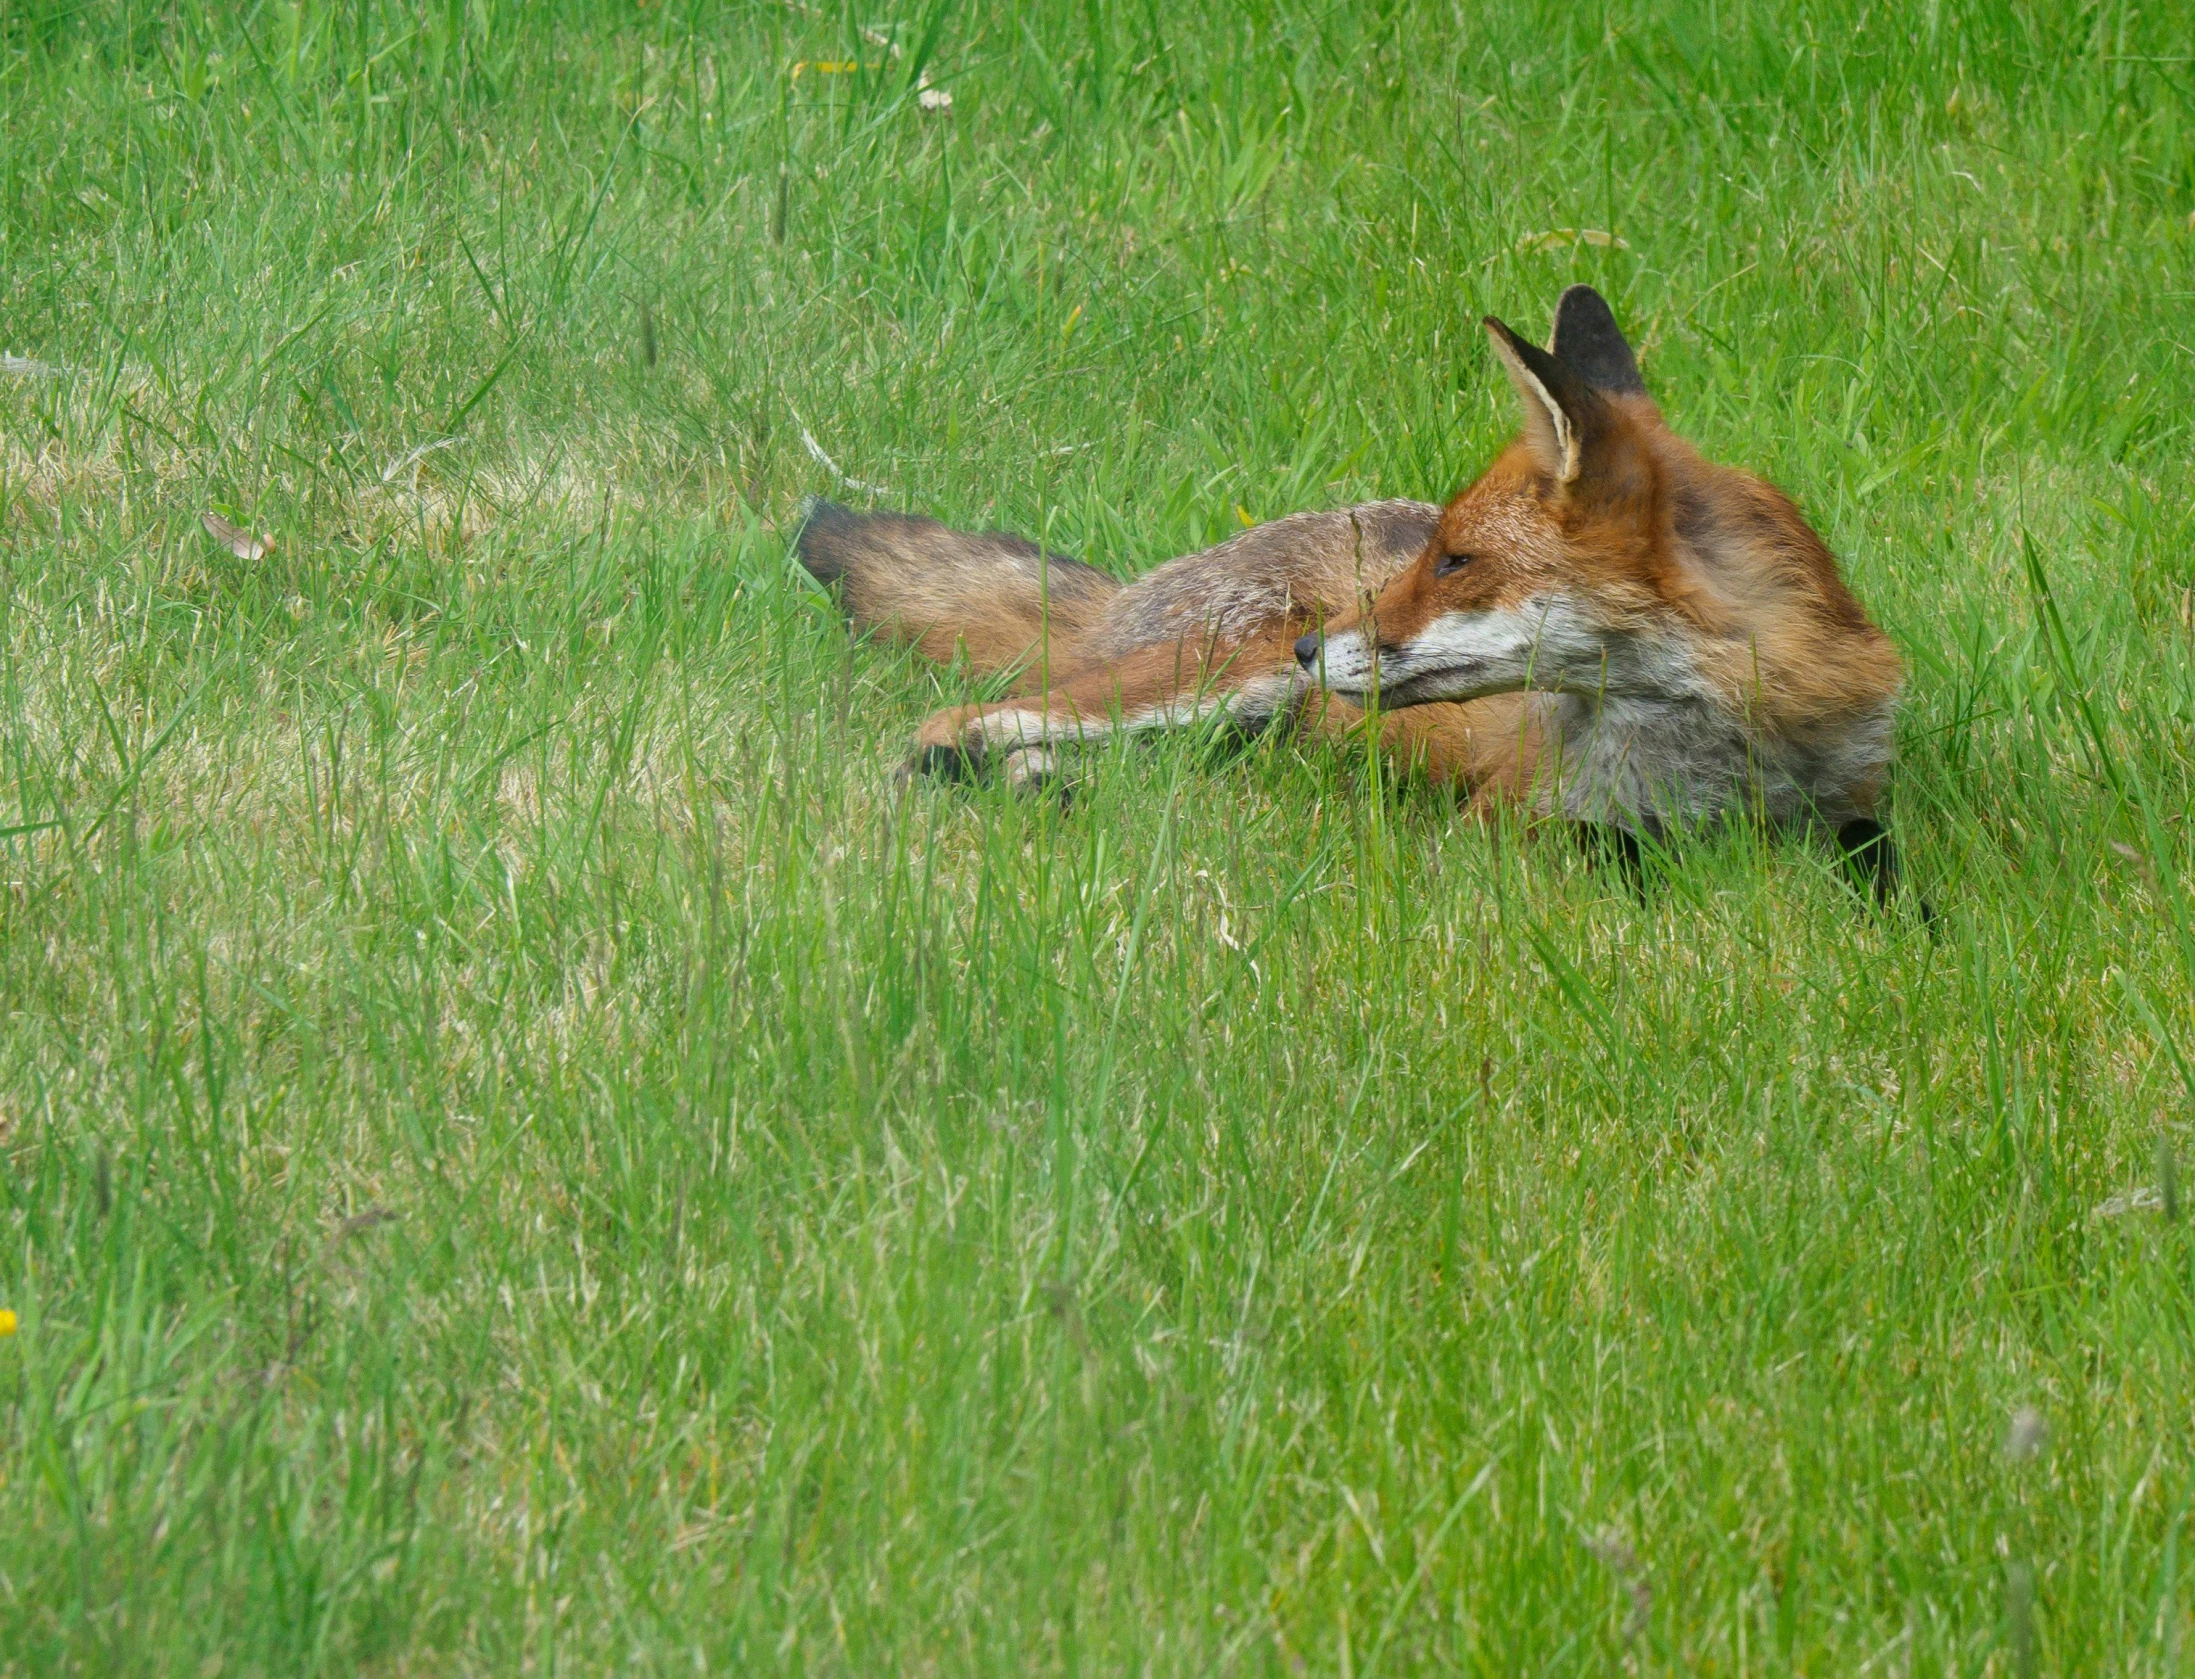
[520, 1151]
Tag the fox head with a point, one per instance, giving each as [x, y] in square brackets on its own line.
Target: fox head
[1600, 556]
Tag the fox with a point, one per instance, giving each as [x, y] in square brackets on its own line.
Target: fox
[1603, 628]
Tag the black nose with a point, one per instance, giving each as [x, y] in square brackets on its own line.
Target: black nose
[1307, 649]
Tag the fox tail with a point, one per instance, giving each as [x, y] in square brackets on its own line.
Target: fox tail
[982, 595]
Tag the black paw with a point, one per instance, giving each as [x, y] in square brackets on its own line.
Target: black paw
[945, 763]
[1871, 864]
[1870, 860]
[1610, 845]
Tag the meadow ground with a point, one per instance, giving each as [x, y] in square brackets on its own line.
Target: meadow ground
[521, 1151]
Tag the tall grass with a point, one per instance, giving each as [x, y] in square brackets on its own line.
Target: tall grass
[520, 1149]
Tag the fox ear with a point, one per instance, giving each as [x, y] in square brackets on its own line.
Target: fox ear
[1558, 408]
[1588, 342]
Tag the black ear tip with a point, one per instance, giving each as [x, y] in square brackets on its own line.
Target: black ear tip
[1587, 340]
[1583, 306]
[1582, 312]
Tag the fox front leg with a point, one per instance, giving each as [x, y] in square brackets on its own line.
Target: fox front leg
[1033, 733]
[956, 743]
[1871, 864]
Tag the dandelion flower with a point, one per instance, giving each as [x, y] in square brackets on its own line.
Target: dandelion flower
[7, 1323]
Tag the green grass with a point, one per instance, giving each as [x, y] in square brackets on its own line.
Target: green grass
[520, 1150]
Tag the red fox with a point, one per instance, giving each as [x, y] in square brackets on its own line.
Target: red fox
[1605, 626]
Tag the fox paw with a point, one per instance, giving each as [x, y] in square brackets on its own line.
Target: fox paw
[950, 745]
[946, 763]
[1037, 772]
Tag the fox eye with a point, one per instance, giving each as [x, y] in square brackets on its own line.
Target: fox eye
[1450, 564]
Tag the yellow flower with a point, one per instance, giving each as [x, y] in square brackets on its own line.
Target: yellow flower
[7, 1323]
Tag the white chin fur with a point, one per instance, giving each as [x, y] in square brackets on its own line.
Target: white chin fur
[1544, 644]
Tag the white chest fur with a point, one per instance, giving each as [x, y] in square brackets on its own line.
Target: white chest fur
[1690, 762]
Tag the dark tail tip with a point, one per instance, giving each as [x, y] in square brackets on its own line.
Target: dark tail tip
[819, 543]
